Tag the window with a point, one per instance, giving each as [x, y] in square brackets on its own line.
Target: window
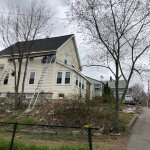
[48, 59]
[97, 87]
[65, 59]
[77, 80]
[32, 78]
[63, 77]
[6, 79]
[31, 58]
[67, 78]
[82, 83]
[10, 60]
[29, 95]
[59, 78]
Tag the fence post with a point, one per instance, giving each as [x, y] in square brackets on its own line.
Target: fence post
[13, 136]
[90, 138]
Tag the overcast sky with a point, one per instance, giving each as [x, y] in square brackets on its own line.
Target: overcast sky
[62, 28]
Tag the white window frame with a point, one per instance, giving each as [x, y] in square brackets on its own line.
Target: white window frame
[28, 97]
[98, 86]
[34, 78]
[57, 78]
[68, 78]
[77, 79]
[63, 77]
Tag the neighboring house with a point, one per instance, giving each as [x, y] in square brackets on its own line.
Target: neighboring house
[54, 68]
[97, 88]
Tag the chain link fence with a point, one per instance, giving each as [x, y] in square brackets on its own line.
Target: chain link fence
[20, 136]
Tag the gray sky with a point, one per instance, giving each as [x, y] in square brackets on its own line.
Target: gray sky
[62, 28]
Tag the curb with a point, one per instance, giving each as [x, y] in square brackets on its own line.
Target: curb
[131, 124]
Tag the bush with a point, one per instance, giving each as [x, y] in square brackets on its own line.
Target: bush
[77, 113]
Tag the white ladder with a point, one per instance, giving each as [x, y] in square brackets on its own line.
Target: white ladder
[5, 72]
[38, 90]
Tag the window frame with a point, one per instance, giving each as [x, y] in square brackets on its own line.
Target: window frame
[77, 80]
[65, 59]
[97, 87]
[61, 78]
[66, 77]
[82, 83]
[6, 78]
[29, 97]
[34, 78]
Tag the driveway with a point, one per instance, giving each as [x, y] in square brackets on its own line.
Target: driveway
[140, 136]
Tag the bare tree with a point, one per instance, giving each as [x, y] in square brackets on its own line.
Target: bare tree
[137, 91]
[119, 32]
[18, 29]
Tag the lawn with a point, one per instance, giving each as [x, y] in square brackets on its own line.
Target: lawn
[4, 145]
[125, 118]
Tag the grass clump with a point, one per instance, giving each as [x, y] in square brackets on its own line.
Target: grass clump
[125, 118]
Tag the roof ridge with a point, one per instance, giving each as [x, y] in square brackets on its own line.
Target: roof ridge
[48, 38]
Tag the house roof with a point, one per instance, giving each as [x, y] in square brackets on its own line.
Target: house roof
[85, 77]
[94, 81]
[111, 84]
[39, 45]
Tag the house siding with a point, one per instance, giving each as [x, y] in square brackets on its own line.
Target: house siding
[49, 84]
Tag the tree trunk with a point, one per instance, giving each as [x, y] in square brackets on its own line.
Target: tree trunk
[17, 96]
[23, 81]
[116, 120]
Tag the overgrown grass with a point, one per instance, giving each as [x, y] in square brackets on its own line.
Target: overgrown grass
[125, 118]
[4, 145]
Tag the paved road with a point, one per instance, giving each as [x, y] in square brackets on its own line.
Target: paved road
[140, 136]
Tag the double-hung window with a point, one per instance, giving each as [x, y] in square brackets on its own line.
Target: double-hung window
[65, 59]
[5, 82]
[67, 78]
[59, 78]
[77, 80]
[63, 77]
[32, 78]
[82, 83]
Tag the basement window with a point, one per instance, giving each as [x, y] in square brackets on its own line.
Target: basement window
[29, 95]
[5, 82]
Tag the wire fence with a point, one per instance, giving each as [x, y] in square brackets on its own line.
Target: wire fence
[20, 136]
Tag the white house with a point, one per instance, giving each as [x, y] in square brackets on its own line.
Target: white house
[54, 68]
[97, 88]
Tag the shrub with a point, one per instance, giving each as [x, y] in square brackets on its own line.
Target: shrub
[77, 113]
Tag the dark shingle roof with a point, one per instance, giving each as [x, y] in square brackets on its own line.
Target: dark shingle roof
[39, 45]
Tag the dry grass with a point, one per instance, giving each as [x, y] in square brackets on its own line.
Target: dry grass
[112, 143]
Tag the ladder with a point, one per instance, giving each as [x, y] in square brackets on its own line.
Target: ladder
[5, 72]
[38, 90]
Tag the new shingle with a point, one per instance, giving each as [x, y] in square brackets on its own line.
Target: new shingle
[39, 45]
